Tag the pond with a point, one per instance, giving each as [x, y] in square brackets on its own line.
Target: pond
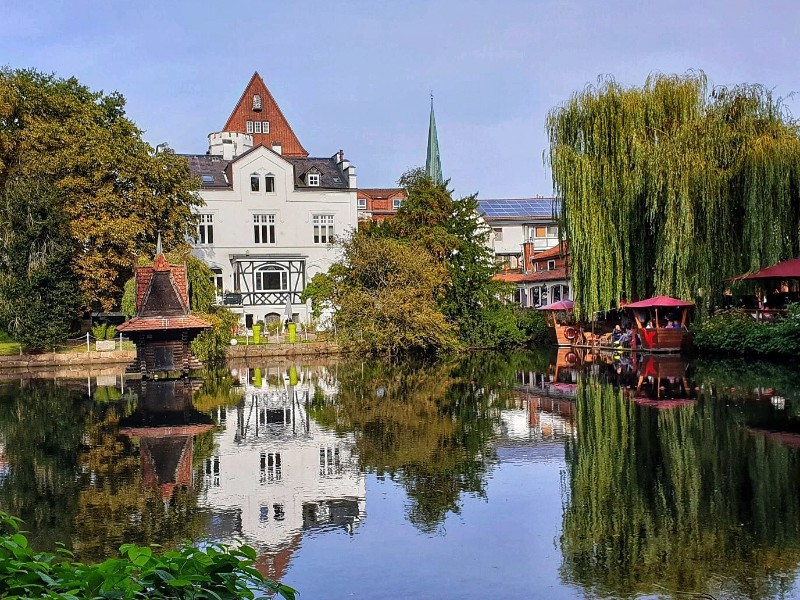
[515, 475]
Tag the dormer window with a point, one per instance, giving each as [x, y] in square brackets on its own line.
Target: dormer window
[257, 103]
[312, 179]
[362, 203]
[396, 202]
[551, 264]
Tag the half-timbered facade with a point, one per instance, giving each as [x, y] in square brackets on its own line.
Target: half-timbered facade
[270, 216]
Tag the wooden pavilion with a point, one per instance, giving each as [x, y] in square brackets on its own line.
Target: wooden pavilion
[163, 328]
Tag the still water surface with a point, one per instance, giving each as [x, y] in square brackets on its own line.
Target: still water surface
[517, 475]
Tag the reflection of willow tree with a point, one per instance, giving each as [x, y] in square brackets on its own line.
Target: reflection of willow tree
[41, 426]
[427, 426]
[678, 500]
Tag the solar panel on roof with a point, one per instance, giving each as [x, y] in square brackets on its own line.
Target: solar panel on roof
[533, 207]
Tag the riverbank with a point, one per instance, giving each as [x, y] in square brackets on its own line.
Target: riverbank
[114, 362]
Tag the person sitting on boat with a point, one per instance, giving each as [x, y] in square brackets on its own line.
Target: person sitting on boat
[617, 333]
[649, 325]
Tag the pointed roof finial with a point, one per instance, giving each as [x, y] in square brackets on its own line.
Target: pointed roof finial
[159, 250]
[433, 164]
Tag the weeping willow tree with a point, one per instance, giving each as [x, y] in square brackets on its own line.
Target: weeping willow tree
[670, 188]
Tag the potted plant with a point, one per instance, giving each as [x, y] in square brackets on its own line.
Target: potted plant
[257, 332]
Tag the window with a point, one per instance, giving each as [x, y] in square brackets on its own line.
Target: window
[257, 127]
[269, 184]
[312, 179]
[264, 126]
[270, 467]
[270, 279]
[396, 202]
[217, 280]
[254, 183]
[551, 264]
[540, 232]
[323, 229]
[205, 229]
[212, 471]
[329, 461]
[498, 234]
[207, 178]
[362, 203]
[264, 229]
[256, 103]
[249, 127]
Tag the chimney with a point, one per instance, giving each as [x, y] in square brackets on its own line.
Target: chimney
[340, 156]
[228, 149]
[350, 171]
[276, 147]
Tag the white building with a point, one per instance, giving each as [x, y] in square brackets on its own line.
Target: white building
[275, 472]
[271, 210]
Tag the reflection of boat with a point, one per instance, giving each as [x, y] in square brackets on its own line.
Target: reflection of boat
[662, 382]
[560, 322]
[649, 316]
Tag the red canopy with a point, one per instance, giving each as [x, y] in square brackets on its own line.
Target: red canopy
[788, 269]
[658, 302]
[560, 305]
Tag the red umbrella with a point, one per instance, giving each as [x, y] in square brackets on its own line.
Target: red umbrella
[658, 302]
[560, 305]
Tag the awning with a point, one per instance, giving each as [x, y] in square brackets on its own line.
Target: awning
[658, 302]
[788, 269]
[560, 305]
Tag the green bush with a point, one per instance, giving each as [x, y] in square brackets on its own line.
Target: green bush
[734, 331]
[104, 331]
[211, 344]
[216, 571]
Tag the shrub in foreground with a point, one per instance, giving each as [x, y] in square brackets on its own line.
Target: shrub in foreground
[736, 332]
[215, 571]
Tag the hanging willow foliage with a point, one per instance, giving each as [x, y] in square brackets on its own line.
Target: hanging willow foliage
[670, 188]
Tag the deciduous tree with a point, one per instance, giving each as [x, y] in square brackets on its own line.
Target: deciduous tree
[670, 188]
[117, 192]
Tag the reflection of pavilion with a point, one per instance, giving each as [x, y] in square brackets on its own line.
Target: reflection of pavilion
[165, 423]
[276, 473]
[662, 382]
[548, 398]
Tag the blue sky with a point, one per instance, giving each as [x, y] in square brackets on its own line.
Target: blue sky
[357, 75]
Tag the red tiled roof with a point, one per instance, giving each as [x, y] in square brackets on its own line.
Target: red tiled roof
[165, 323]
[549, 275]
[380, 192]
[556, 251]
[279, 128]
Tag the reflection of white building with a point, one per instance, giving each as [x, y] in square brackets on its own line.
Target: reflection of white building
[276, 472]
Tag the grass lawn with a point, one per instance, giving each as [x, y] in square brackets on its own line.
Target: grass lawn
[8, 347]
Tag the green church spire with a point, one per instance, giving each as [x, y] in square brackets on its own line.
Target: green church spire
[433, 165]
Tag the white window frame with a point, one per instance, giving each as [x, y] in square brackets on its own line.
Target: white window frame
[256, 126]
[264, 126]
[324, 226]
[249, 127]
[205, 229]
[260, 282]
[257, 102]
[396, 203]
[362, 203]
[264, 226]
[269, 183]
[312, 179]
[255, 183]
[498, 234]
[551, 264]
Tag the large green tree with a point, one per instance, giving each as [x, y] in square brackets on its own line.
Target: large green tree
[670, 188]
[39, 295]
[118, 193]
[450, 237]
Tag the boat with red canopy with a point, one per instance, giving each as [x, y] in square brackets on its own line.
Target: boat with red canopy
[659, 324]
[561, 322]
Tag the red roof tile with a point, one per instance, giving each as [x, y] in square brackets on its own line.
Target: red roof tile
[162, 324]
[549, 275]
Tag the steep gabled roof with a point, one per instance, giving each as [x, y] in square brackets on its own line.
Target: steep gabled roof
[279, 128]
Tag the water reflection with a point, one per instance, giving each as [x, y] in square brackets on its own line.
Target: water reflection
[676, 477]
[670, 492]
